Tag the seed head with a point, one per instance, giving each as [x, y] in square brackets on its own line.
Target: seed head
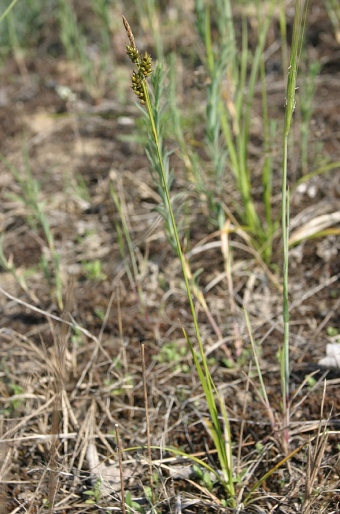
[133, 54]
[137, 86]
[145, 65]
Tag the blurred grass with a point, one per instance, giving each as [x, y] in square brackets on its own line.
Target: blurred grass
[24, 24]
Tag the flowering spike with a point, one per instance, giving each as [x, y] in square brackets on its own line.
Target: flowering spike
[144, 65]
[133, 54]
[137, 86]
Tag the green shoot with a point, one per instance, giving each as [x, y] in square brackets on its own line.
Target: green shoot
[230, 101]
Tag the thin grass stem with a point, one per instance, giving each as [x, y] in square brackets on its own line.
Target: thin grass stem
[298, 35]
[147, 420]
[9, 8]
[120, 462]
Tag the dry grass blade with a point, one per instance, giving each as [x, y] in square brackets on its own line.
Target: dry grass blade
[227, 257]
[314, 459]
[147, 420]
[272, 470]
[198, 293]
[60, 379]
[315, 226]
[5, 459]
[47, 314]
[119, 447]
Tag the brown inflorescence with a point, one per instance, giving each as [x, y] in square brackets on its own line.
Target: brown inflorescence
[144, 64]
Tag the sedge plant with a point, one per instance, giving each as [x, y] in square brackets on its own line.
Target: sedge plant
[220, 435]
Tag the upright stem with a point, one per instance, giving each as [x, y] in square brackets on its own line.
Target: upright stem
[297, 40]
[285, 369]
